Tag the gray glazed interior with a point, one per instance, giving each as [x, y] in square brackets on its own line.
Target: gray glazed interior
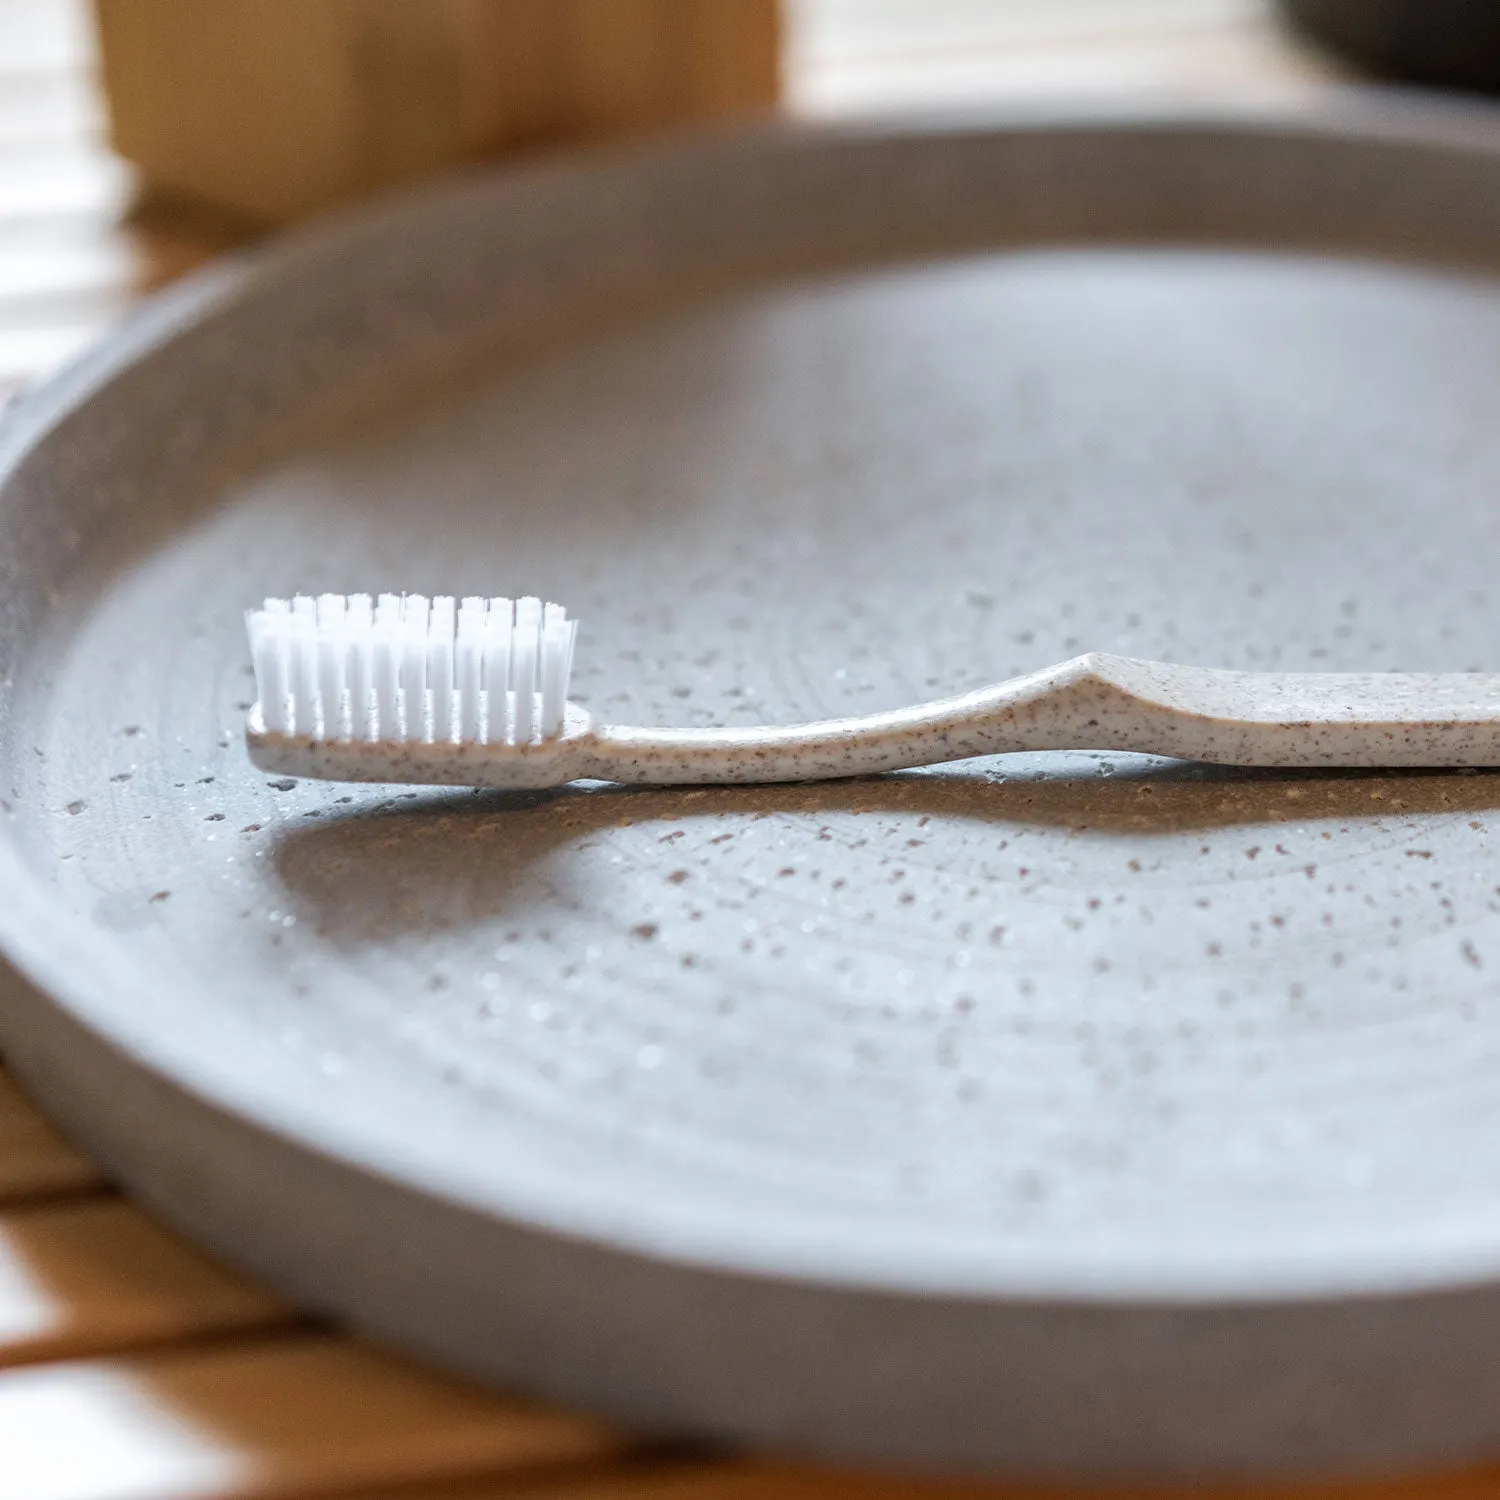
[1074, 1114]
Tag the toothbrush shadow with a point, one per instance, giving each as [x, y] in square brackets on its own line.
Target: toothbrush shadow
[449, 860]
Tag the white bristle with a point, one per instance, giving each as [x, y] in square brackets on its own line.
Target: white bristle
[386, 639]
[570, 644]
[268, 652]
[525, 659]
[440, 667]
[469, 668]
[415, 617]
[359, 625]
[409, 668]
[332, 664]
[303, 650]
[557, 651]
[499, 633]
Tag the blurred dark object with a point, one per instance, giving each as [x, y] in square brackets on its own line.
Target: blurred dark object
[1450, 43]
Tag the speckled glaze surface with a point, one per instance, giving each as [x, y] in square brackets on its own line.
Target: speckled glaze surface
[1071, 1113]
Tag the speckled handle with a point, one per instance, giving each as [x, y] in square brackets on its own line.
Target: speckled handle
[1094, 702]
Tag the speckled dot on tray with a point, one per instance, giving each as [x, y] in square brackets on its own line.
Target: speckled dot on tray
[1059, 1113]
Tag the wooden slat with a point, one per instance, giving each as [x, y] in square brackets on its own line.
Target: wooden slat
[616, 68]
[61, 177]
[1218, 66]
[730, 56]
[851, 55]
[851, 30]
[43, 36]
[35, 1162]
[731, 1479]
[96, 1276]
[285, 1418]
[844, 32]
[43, 259]
[66, 274]
[47, 107]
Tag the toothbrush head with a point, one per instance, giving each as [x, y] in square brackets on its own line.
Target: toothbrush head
[406, 670]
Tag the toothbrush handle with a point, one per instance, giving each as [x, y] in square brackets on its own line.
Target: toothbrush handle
[1099, 702]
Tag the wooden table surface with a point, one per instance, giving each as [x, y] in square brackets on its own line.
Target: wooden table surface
[134, 1368]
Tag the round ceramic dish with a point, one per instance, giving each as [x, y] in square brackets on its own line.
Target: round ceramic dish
[1063, 1114]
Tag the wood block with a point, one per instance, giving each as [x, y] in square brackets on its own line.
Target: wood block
[731, 56]
[630, 64]
[617, 64]
[515, 76]
[286, 1417]
[273, 71]
[96, 1276]
[271, 108]
[35, 1162]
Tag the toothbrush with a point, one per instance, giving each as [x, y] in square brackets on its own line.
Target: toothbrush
[404, 688]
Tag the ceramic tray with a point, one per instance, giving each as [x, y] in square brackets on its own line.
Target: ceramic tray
[1071, 1114]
